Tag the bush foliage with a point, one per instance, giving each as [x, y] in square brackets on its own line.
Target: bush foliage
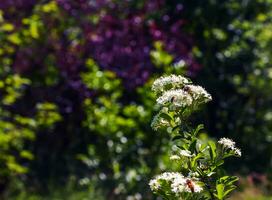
[76, 76]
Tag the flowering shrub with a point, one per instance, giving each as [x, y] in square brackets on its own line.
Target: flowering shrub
[200, 173]
[244, 75]
[50, 43]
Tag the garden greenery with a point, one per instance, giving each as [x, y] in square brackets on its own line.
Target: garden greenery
[75, 77]
[200, 174]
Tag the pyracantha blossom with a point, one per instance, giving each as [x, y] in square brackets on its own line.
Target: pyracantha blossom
[178, 98]
[237, 152]
[185, 185]
[175, 98]
[177, 182]
[169, 176]
[155, 183]
[227, 143]
[169, 82]
[198, 93]
[230, 144]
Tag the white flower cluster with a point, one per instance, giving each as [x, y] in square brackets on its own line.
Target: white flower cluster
[177, 98]
[227, 143]
[177, 92]
[230, 144]
[198, 93]
[172, 81]
[177, 182]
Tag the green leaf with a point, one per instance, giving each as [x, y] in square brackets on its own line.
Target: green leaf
[7, 27]
[175, 128]
[223, 179]
[177, 137]
[198, 128]
[27, 155]
[187, 135]
[14, 38]
[219, 163]
[228, 180]
[230, 189]
[212, 150]
[220, 191]
[192, 147]
[232, 180]
[166, 116]
[196, 158]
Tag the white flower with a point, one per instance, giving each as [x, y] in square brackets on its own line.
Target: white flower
[193, 174]
[182, 184]
[227, 143]
[185, 153]
[181, 153]
[159, 122]
[172, 81]
[237, 152]
[177, 182]
[198, 188]
[154, 184]
[198, 93]
[192, 186]
[174, 157]
[230, 144]
[178, 185]
[177, 98]
[168, 176]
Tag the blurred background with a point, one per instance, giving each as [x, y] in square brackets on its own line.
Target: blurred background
[76, 104]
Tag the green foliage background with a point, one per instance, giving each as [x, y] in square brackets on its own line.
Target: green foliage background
[111, 146]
